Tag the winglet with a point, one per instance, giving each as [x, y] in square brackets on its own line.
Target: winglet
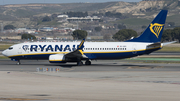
[81, 46]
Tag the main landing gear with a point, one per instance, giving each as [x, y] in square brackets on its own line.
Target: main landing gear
[80, 63]
[88, 62]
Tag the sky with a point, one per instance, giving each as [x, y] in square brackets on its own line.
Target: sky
[6, 2]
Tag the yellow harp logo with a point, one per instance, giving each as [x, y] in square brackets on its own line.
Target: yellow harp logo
[156, 28]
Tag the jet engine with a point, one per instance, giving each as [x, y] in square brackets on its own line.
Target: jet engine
[57, 58]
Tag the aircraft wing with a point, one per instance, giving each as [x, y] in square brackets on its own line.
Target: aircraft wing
[78, 53]
[74, 56]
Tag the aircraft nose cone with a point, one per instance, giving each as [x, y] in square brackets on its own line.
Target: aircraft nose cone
[4, 53]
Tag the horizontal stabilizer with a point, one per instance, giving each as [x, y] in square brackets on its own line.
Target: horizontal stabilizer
[167, 43]
[158, 44]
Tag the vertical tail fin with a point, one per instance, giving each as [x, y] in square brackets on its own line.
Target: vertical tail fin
[154, 31]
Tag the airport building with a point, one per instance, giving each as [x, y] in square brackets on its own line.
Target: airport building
[83, 19]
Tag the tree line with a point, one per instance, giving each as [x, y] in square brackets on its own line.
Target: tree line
[122, 35]
[171, 34]
[110, 14]
[77, 14]
[126, 34]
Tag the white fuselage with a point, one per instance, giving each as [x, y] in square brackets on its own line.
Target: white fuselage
[93, 50]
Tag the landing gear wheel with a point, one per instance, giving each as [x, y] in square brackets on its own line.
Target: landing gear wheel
[80, 63]
[18, 63]
[88, 62]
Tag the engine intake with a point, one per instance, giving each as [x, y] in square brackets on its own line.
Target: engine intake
[57, 58]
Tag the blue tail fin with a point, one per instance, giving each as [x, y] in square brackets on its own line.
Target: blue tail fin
[154, 31]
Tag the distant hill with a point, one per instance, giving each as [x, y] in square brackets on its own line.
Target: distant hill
[145, 9]
[12, 12]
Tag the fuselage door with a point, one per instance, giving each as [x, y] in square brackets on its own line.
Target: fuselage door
[134, 51]
[19, 50]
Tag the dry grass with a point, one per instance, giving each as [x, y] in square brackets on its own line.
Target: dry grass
[170, 49]
[3, 47]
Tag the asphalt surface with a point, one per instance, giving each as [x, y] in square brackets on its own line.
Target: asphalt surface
[100, 65]
[108, 80]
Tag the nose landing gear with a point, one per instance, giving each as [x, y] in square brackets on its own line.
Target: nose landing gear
[18, 62]
[80, 63]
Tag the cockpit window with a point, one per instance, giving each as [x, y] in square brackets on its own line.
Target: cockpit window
[10, 48]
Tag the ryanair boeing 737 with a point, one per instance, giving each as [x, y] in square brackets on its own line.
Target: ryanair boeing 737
[62, 52]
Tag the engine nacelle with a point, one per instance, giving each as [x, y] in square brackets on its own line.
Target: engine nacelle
[57, 58]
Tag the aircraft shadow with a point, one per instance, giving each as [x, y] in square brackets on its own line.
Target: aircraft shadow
[101, 65]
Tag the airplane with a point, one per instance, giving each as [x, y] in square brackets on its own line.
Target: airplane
[63, 52]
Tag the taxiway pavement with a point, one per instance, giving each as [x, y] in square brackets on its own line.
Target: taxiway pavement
[112, 80]
[101, 65]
